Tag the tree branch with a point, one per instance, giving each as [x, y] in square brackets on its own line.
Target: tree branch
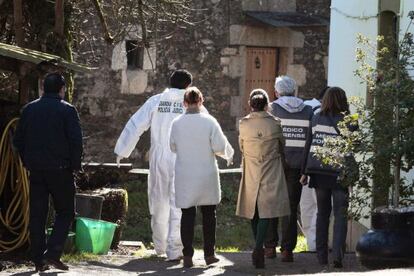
[107, 35]
[143, 25]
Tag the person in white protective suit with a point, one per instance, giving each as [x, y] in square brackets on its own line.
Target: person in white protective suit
[158, 112]
[308, 207]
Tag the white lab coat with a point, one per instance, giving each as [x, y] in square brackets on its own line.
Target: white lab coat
[197, 138]
[158, 112]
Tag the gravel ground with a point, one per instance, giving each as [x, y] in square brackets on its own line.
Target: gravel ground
[230, 264]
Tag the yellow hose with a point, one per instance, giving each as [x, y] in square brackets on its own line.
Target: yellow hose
[15, 218]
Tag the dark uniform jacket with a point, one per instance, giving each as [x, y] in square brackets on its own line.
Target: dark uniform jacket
[296, 118]
[49, 135]
[322, 126]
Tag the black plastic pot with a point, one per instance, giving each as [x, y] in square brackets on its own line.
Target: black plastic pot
[390, 242]
[89, 206]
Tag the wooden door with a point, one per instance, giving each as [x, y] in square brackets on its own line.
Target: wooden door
[261, 70]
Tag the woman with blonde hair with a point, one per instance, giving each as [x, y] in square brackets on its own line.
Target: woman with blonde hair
[263, 190]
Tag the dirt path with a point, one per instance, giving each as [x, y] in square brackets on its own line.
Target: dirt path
[230, 264]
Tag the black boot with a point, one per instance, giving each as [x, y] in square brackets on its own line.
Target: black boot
[41, 266]
[57, 264]
[258, 259]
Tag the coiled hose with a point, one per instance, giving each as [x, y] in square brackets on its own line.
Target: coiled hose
[15, 216]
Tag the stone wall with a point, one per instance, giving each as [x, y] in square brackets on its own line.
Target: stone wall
[314, 54]
[210, 50]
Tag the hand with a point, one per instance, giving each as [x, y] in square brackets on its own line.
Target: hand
[229, 162]
[118, 160]
[304, 180]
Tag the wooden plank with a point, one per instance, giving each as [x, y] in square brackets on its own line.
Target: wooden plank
[221, 171]
[139, 171]
[96, 164]
[37, 57]
[131, 244]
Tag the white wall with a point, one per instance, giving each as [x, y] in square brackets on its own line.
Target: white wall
[348, 18]
[405, 8]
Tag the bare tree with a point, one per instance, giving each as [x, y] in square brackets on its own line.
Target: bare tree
[150, 16]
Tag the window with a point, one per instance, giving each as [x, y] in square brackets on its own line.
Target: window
[135, 55]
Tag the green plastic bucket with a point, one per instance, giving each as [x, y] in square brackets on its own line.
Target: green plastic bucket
[94, 236]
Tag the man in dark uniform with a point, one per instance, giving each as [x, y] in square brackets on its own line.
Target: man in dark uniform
[295, 118]
[49, 140]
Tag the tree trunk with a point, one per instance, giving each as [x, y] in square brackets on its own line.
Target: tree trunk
[59, 17]
[19, 35]
[18, 22]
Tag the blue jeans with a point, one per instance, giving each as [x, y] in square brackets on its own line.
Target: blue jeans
[326, 197]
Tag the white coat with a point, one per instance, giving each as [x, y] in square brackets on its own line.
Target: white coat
[158, 112]
[197, 138]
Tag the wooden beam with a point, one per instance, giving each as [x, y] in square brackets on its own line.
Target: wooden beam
[24, 82]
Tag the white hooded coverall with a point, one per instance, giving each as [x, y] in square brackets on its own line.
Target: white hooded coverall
[158, 112]
[308, 205]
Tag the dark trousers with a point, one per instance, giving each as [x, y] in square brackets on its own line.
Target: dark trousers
[60, 185]
[289, 223]
[325, 197]
[209, 229]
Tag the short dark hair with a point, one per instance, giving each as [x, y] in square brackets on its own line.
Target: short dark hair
[322, 93]
[193, 95]
[258, 100]
[53, 83]
[181, 79]
[334, 102]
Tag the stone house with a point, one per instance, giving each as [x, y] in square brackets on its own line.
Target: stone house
[240, 45]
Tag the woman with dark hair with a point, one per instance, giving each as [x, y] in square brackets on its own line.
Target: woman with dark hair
[325, 178]
[263, 190]
[197, 138]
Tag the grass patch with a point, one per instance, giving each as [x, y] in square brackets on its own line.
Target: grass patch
[229, 249]
[79, 257]
[138, 222]
[233, 233]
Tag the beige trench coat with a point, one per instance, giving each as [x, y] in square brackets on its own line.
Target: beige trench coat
[263, 180]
